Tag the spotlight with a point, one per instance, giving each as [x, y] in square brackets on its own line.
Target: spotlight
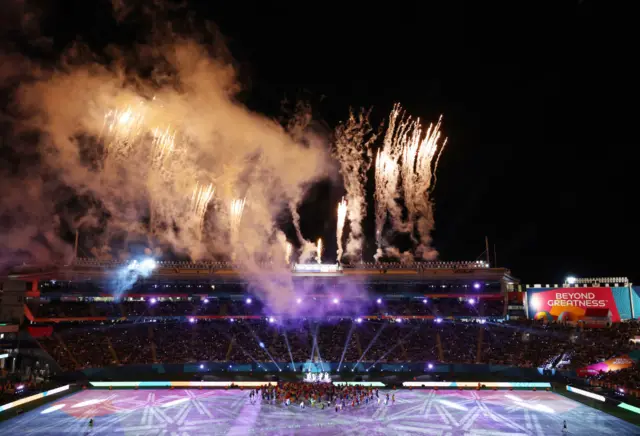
[201, 366]
[148, 264]
[231, 320]
[571, 280]
[248, 300]
[299, 300]
[336, 301]
[430, 366]
[438, 320]
[424, 301]
[398, 319]
[359, 320]
[153, 301]
[261, 344]
[271, 319]
[379, 300]
[476, 285]
[471, 301]
[206, 300]
[192, 320]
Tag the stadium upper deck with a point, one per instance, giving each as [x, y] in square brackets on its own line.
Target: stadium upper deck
[220, 273]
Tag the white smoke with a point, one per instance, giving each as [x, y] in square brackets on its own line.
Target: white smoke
[353, 140]
[138, 145]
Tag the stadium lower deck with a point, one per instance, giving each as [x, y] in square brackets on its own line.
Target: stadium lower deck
[221, 412]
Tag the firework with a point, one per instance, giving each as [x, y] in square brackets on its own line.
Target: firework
[200, 199]
[133, 127]
[387, 172]
[236, 209]
[411, 156]
[288, 249]
[319, 250]
[353, 150]
[342, 216]
[419, 165]
[124, 128]
[386, 176]
[163, 144]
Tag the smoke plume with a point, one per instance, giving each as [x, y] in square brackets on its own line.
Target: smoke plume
[153, 135]
[353, 140]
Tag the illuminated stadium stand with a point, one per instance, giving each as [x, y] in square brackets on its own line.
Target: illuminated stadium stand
[89, 280]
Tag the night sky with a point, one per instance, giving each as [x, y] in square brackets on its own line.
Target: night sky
[539, 105]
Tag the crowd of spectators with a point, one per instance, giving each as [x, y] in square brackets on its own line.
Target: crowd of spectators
[623, 379]
[24, 382]
[372, 340]
[192, 306]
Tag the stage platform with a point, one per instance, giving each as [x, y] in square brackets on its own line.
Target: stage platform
[229, 412]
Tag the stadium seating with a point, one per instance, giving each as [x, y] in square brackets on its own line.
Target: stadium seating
[525, 344]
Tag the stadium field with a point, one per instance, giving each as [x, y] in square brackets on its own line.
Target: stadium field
[221, 412]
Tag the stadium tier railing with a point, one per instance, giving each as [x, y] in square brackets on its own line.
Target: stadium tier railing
[164, 371]
[230, 265]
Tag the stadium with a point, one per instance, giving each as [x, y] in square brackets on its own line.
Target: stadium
[194, 244]
[423, 348]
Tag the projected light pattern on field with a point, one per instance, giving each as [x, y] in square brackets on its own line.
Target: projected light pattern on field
[230, 412]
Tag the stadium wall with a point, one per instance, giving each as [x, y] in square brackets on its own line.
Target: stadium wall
[576, 303]
[225, 369]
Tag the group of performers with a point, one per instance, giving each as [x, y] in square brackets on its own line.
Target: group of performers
[311, 377]
[320, 395]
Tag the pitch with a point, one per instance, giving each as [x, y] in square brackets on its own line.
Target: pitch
[219, 412]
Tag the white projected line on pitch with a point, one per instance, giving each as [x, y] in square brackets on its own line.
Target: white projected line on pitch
[52, 409]
[87, 403]
[536, 407]
[543, 408]
[452, 404]
[174, 402]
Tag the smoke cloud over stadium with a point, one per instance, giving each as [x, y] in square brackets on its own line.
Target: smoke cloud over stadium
[152, 141]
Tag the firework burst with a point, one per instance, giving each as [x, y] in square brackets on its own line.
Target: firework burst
[202, 195]
[288, 250]
[235, 214]
[387, 173]
[163, 145]
[411, 156]
[319, 250]
[342, 216]
[123, 129]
